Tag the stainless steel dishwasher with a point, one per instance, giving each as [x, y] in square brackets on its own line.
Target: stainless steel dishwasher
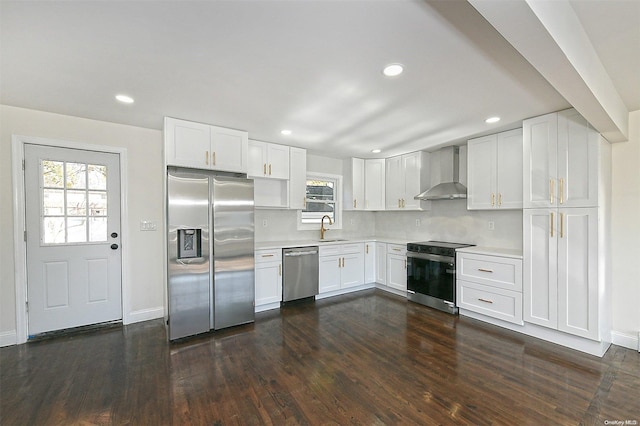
[300, 279]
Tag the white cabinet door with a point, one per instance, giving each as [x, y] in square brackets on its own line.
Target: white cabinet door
[278, 161]
[540, 271]
[374, 184]
[381, 263]
[577, 176]
[229, 150]
[578, 272]
[540, 136]
[353, 188]
[268, 283]
[187, 144]
[394, 190]
[267, 160]
[297, 178]
[481, 173]
[329, 273]
[369, 262]
[397, 271]
[509, 169]
[412, 165]
[352, 271]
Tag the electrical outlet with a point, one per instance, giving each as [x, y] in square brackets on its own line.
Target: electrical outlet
[265, 223]
[417, 222]
[147, 225]
[492, 225]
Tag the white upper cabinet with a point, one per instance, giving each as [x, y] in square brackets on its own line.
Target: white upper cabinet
[202, 146]
[353, 185]
[364, 184]
[297, 178]
[268, 160]
[494, 170]
[560, 161]
[374, 188]
[406, 176]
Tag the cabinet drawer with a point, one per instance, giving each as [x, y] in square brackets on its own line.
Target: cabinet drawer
[491, 301]
[495, 271]
[397, 249]
[271, 255]
[329, 250]
[353, 248]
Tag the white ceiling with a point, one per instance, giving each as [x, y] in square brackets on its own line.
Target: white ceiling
[310, 66]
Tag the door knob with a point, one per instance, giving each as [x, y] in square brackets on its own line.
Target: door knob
[114, 235]
[114, 246]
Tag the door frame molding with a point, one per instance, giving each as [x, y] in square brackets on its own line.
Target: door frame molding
[19, 225]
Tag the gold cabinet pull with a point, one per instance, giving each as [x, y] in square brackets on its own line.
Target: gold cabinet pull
[279, 269]
[304, 202]
[267, 255]
[405, 264]
[485, 300]
[339, 263]
[403, 206]
[214, 158]
[264, 169]
[499, 199]
[206, 158]
[561, 225]
[399, 203]
[552, 220]
[355, 203]
[485, 270]
[551, 190]
[561, 190]
[493, 199]
[366, 248]
[269, 169]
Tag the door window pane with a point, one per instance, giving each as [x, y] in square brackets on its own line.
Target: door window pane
[97, 176]
[52, 174]
[76, 175]
[71, 213]
[76, 203]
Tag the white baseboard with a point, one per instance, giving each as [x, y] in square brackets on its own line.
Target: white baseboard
[8, 338]
[625, 340]
[144, 315]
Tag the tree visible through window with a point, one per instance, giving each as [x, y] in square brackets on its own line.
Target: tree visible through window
[74, 202]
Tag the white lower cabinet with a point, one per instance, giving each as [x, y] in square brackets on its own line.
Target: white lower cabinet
[268, 269]
[397, 267]
[369, 261]
[341, 266]
[490, 285]
[562, 286]
[381, 263]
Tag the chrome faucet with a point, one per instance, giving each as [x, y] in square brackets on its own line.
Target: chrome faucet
[322, 228]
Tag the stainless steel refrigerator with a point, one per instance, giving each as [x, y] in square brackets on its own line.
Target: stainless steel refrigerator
[210, 226]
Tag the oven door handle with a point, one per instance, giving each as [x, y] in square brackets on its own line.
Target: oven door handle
[433, 257]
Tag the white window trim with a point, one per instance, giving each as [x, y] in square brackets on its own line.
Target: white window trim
[337, 223]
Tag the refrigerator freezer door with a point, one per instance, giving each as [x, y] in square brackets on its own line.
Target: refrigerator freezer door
[233, 252]
[188, 254]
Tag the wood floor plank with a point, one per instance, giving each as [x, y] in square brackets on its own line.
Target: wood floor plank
[367, 358]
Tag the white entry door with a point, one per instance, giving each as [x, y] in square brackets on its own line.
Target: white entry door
[73, 237]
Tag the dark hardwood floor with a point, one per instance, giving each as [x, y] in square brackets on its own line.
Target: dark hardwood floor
[367, 358]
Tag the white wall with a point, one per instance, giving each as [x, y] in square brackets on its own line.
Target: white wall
[145, 176]
[625, 229]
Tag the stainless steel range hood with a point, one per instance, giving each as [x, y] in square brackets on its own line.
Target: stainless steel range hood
[450, 187]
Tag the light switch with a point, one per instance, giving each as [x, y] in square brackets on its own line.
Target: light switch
[147, 225]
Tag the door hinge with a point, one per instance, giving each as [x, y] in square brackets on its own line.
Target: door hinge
[27, 305]
[22, 164]
[25, 235]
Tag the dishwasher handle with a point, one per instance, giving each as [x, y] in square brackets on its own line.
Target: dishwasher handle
[300, 253]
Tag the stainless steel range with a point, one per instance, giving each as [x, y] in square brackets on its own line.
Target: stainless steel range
[431, 274]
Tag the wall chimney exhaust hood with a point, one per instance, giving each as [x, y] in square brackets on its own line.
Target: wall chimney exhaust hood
[450, 187]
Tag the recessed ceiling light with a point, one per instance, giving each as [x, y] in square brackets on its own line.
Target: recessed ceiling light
[492, 120]
[375, 151]
[124, 99]
[285, 132]
[393, 70]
